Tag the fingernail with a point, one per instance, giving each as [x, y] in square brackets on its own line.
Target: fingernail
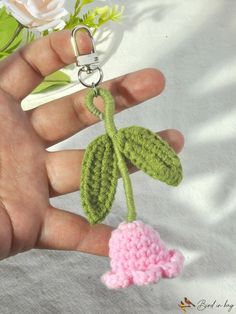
[84, 42]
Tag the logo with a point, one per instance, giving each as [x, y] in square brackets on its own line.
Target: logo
[186, 305]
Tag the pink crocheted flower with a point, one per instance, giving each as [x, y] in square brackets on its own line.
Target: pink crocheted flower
[138, 256]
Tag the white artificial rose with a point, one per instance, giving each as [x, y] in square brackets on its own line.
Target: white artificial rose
[39, 14]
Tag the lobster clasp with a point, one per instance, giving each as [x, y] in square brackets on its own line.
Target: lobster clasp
[88, 63]
[87, 60]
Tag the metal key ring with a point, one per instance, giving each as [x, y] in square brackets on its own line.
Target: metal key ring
[93, 84]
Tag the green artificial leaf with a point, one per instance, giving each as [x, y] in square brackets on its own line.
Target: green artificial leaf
[3, 55]
[74, 19]
[95, 17]
[30, 36]
[98, 16]
[106, 13]
[79, 4]
[150, 153]
[98, 179]
[72, 22]
[8, 27]
[52, 81]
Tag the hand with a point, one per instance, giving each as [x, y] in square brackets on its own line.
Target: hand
[29, 174]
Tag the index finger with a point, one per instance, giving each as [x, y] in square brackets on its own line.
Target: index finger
[22, 71]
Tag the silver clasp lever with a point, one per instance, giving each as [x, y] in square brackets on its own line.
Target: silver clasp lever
[88, 63]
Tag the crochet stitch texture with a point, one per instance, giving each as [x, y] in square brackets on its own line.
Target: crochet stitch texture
[105, 157]
[139, 256]
[150, 153]
[99, 178]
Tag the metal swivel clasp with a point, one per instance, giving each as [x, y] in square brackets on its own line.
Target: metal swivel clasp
[88, 63]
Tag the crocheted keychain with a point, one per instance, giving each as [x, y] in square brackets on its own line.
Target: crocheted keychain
[137, 253]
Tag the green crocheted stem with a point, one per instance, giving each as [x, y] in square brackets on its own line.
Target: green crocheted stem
[111, 131]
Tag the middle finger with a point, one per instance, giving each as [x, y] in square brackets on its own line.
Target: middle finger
[62, 118]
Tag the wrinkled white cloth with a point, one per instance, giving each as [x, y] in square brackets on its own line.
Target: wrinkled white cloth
[193, 43]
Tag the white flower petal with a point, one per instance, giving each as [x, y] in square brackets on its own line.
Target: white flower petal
[55, 4]
[43, 14]
[22, 18]
[51, 25]
[51, 15]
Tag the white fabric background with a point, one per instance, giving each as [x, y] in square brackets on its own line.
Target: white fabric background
[193, 43]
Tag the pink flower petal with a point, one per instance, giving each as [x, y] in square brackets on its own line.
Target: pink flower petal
[116, 280]
[139, 256]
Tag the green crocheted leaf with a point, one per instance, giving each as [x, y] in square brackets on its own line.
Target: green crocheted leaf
[150, 153]
[98, 179]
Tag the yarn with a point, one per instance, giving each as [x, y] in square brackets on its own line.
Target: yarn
[138, 256]
[106, 156]
[150, 153]
[98, 179]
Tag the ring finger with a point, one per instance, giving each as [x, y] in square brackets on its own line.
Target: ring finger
[64, 167]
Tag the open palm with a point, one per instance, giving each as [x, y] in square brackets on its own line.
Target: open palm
[29, 174]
